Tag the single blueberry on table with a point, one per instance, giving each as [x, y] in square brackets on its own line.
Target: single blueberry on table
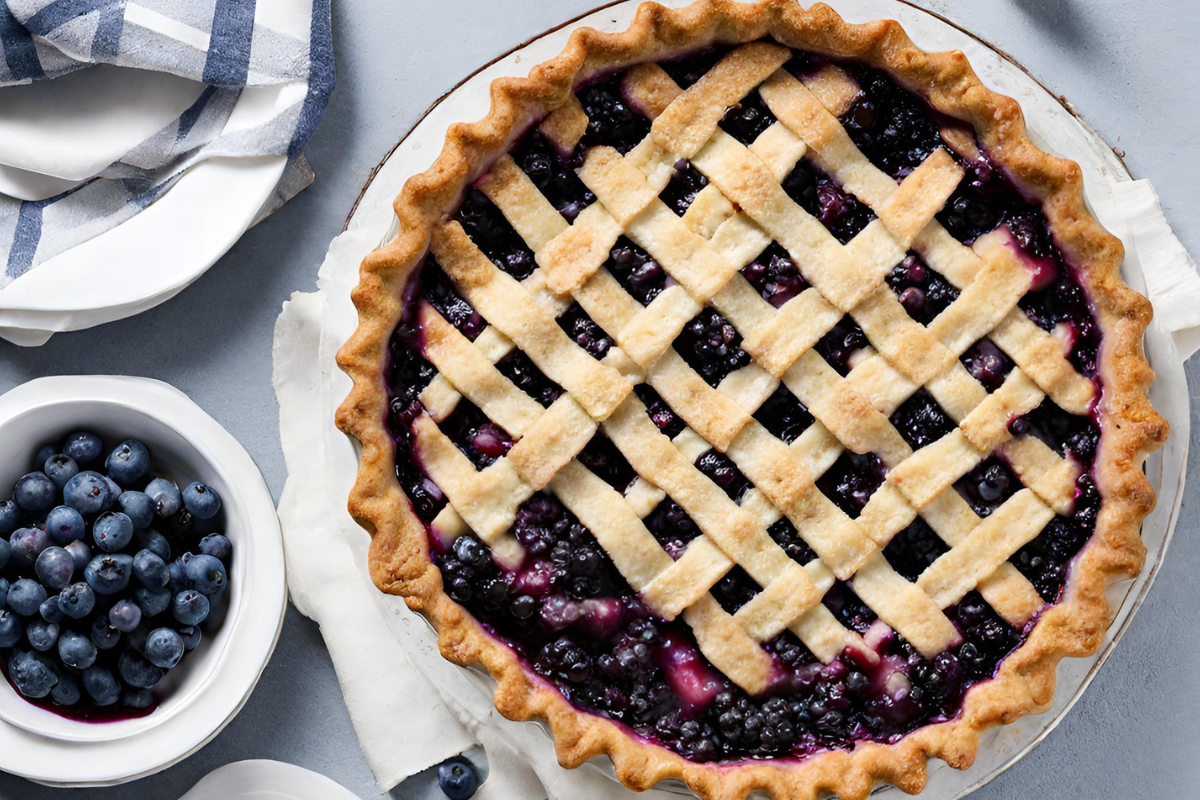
[138, 507]
[137, 671]
[137, 698]
[207, 574]
[104, 635]
[153, 541]
[217, 545]
[60, 468]
[65, 525]
[190, 607]
[54, 567]
[101, 686]
[153, 600]
[12, 628]
[33, 676]
[165, 496]
[81, 554]
[87, 493]
[112, 531]
[164, 648]
[35, 493]
[124, 615]
[109, 574]
[41, 634]
[77, 600]
[44, 454]
[191, 637]
[50, 611]
[10, 517]
[25, 596]
[150, 570]
[129, 463]
[201, 500]
[27, 544]
[457, 780]
[76, 650]
[85, 447]
[66, 691]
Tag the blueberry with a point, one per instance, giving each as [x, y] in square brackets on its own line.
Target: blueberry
[150, 570]
[59, 469]
[4, 587]
[35, 493]
[65, 525]
[190, 607]
[26, 545]
[207, 574]
[202, 500]
[77, 600]
[114, 491]
[81, 554]
[179, 580]
[54, 568]
[124, 615]
[457, 780]
[86, 448]
[104, 635]
[137, 698]
[164, 648]
[87, 493]
[152, 600]
[5, 552]
[153, 541]
[137, 671]
[109, 574]
[10, 517]
[32, 675]
[138, 507]
[25, 596]
[101, 686]
[44, 454]
[217, 545]
[191, 637]
[66, 691]
[41, 634]
[129, 463]
[112, 531]
[137, 637]
[50, 611]
[165, 496]
[76, 650]
[12, 628]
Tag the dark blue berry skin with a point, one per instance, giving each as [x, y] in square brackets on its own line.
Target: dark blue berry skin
[4, 587]
[112, 531]
[87, 493]
[86, 448]
[129, 463]
[81, 554]
[104, 635]
[109, 574]
[179, 581]
[190, 607]
[44, 454]
[25, 596]
[32, 674]
[164, 648]
[138, 507]
[42, 635]
[76, 650]
[165, 496]
[5, 553]
[207, 574]
[27, 544]
[202, 500]
[50, 611]
[60, 468]
[152, 601]
[66, 692]
[10, 517]
[77, 600]
[35, 493]
[137, 671]
[150, 570]
[54, 567]
[12, 628]
[153, 541]
[65, 525]
[191, 637]
[217, 545]
[124, 615]
[137, 698]
[101, 686]
[458, 780]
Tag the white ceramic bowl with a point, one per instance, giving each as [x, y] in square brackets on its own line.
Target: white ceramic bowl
[203, 694]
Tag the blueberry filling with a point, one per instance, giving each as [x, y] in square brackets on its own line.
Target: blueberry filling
[568, 613]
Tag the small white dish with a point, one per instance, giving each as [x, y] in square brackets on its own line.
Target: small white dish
[266, 780]
[216, 679]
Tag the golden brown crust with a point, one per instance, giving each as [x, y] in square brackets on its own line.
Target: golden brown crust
[1131, 429]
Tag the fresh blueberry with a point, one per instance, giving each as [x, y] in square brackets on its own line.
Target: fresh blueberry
[138, 507]
[10, 517]
[217, 545]
[5, 552]
[114, 491]
[101, 686]
[50, 611]
[112, 531]
[164, 648]
[458, 780]
[26, 545]
[35, 493]
[76, 650]
[12, 628]
[202, 500]
[81, 554]
[153, 541]
[150, 570]
[4, 587]
[54, 567]
[25, 596]
[103, 635]
[109, 574]
[60, 468]
[86, 448]
[190, 607]
[41, 634]
[177, 569]
[65, 525]
[66, 691]
[207, 574]
[44, 454]
[77, 600]
[137, 671]
[153, 600]
[33, 676]
[137, 637]
[129, 463]
[165, 495]
[191, 637]
[124, 615]
[87, 493]
[137, 698]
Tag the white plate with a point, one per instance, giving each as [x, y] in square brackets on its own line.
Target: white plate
[266, 780]
[215, 681]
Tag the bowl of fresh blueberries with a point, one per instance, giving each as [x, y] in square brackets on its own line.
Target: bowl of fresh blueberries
[136, 558]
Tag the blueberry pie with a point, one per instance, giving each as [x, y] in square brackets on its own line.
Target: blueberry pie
[755, 402]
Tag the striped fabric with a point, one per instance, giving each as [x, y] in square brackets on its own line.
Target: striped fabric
[226, 44]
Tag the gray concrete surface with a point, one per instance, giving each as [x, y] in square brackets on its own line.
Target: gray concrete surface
[1132, 69]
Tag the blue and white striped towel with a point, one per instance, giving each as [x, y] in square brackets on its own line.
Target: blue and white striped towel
[226, 44]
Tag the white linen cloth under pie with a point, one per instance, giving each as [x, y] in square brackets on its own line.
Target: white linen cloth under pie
[225, 44]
